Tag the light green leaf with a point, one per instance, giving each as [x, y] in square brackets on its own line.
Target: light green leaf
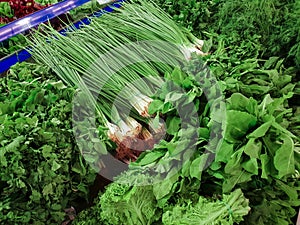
[35, 196]
[173, 97]
[55, 166]
[289, 190]
[251, 166]
[198, 166]
[56, 121]
[234, 164]
[15, 144]
[48, 189]
[100, 146]
[56, 207]
[253, 148]
[204, 132]
[58, 85]
[90, 158]
[173, 125]
[177, 75]
[238, 102]
[167, 107]
[3, 161]
[150, 157]
[46, 151]
[270, 62]
[284, 160]
[265, 166]
[224, 152]
[155, 106]
[163, 188]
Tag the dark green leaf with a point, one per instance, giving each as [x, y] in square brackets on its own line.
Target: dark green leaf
[261, 131]
[238, 124]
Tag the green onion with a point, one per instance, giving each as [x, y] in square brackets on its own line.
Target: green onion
[140, 40]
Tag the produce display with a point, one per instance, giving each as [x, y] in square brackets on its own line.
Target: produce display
[42, 171]
[197, 100]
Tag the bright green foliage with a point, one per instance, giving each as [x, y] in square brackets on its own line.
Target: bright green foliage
[192, 14]
[228, 210]
[5, 10]
[253, 134]
[125, 204]
[11, 45]
[41, 170]
[238, 124]
[132, 205]
[274, 25]
[247, 29]
[258, 152]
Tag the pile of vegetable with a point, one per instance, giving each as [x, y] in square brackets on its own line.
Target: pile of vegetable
[248, 30]
[258, 155]
[74, 63]
[42, 172]
[228, 151]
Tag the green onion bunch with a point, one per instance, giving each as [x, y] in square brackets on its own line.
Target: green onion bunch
[117, 61]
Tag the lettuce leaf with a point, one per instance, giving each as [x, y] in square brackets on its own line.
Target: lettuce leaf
[130, 205]
[229, 210]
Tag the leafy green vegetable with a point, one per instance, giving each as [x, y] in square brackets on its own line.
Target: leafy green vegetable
[41, 169]
[238, 124]
[252, 150]
[284, 157]
[123, 204]
[90, 216]
[229, 210]
[5, 10]
[242, 30]
[249, 157]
